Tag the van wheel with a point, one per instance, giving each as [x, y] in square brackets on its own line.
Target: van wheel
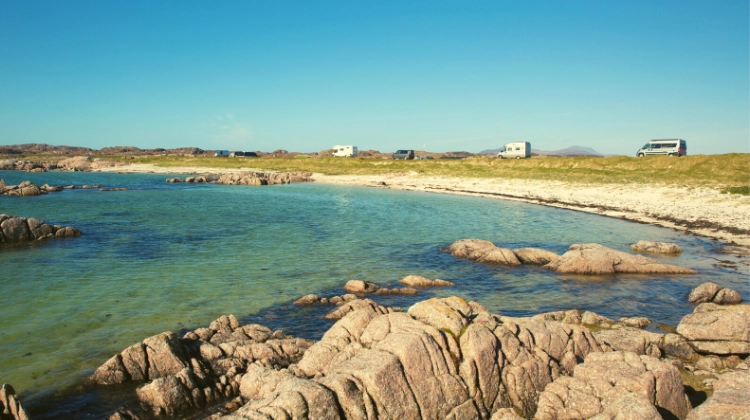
[671, 154]
[641, 155]
[518, 157]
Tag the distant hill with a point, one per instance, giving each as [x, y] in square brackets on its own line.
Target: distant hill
[568, 151]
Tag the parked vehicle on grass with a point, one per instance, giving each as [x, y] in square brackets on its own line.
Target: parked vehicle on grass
[518, 150]
[669, 147]
[344, 151]
[221, 153]
[403, 154]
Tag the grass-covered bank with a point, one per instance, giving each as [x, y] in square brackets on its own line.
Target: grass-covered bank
[730, 170]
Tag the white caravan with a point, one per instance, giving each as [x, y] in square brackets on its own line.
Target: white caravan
[344, 151]
[518, 150]
[669, 147]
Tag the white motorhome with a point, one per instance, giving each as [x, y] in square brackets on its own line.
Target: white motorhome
[669, 147]
[344, 151]
[518, 150]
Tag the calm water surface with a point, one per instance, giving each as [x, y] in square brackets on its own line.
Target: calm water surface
[172, 256]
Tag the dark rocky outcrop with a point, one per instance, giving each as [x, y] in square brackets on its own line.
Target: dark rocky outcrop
[656, 247]
[10, 406]
[20, 229]
[712, 292]
[595, 259]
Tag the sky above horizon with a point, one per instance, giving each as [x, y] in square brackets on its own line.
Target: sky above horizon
[439, 75]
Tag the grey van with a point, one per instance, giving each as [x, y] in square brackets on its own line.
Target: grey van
[669, 147]
[403, 154]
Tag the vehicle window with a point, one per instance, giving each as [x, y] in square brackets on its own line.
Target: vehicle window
[656, 146]
[671, 145]
[518, 148]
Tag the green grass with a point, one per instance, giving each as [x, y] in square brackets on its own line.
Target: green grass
[711, 170]
[730, 171]
[744, 190]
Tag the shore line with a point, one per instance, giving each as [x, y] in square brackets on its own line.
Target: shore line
[701, 211]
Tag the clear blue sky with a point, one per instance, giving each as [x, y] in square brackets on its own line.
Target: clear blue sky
[304, 76]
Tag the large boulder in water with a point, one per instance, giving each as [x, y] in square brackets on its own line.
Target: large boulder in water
[712, 292]
[598, 259]
[535, 256]
[482, 251]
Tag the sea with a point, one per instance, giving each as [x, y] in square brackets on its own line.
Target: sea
[174, 257]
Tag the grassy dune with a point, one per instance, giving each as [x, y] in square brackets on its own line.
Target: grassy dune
[730, 170]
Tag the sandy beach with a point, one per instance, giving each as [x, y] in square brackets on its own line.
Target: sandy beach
[702, 211]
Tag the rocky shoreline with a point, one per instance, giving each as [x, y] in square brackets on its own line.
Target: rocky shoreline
[20, 229]
[443, 358]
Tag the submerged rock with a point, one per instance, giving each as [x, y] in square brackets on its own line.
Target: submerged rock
[482, 251]
[418, 281]
[656, 247]
[595, 259]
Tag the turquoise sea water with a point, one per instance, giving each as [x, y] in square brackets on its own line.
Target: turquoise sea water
[174, 256]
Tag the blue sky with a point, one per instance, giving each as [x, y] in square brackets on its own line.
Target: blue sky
[304, 76]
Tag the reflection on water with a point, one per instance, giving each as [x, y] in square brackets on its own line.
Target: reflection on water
[172, 256]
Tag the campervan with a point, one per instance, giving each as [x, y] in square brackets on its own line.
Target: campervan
[344, 151]
[669, 147]
[518, 150]
[221, 153]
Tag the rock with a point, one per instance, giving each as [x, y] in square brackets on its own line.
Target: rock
[727, 297]
[482, 251]
[173, 180]
[608, 383]
[396, 291]
[569, 317]
[535, 256]
[358, 304]
[737, 251]
[307, 300]
[67, 232]
[675, 345]
[656, 247]
[632, 340]
[730, 400]
[10, 406]
[591, 318]
[635, 322]
[78, 163]
[263, 178]
[716, 329]
[703, 293]
[595, 259]
[15, 229]
[417, 281]
[170, 394]
[359, 286]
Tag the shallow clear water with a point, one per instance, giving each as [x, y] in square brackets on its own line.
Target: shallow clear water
[170, 256]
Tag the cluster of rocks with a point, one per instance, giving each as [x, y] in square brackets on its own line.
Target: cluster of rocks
[202, 368]
[264, 178]
[26, 166]
[10, 406]
[712, 292]
[443, 358]
[26, 188]
[589, 259]
[190, 179]
[349, 302]
[20, 229]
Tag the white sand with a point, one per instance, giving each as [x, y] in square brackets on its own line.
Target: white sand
[702, 211]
